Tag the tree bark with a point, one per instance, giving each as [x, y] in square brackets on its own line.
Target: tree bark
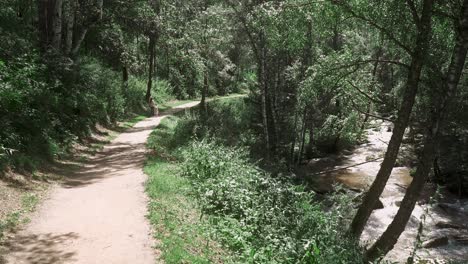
[310, 145]
[69, 14]
[203, 107]
[151, 46]
[80, 36]
[388, 239]
[264, 89]
[57, 25]
[43, 8]
[90, 20]
[409, 95]
[125, 75]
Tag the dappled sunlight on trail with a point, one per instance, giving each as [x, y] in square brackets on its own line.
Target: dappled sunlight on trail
[98, 214]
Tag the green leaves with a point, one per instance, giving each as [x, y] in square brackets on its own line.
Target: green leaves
[263, 219]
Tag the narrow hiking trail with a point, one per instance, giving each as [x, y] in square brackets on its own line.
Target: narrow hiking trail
[98, 214]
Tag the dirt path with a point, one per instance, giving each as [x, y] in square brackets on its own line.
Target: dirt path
[98, 214]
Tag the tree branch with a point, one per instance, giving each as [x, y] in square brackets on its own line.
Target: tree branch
[375, 100]
[369, 114]
[374, 24]
[414, 12]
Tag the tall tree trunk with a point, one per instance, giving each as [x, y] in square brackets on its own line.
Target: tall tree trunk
[151, 46]
[69, 15]
[83, 29]
[388, 239]
[303, 136]
[293, 142]
[44, 15]
[80, 36]
[125, 75]
[409, 94]
[57, 25]
[264, 89]
[310, 144]
[203, 107]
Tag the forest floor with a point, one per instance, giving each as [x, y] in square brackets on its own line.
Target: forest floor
[97, 213]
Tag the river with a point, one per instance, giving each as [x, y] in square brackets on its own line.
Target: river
[446, 221]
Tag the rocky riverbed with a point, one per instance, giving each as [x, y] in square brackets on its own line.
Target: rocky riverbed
[445, 220]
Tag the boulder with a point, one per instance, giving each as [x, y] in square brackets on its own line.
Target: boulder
[461, 240]
[450, 208]
[436, 242]
[445, 224]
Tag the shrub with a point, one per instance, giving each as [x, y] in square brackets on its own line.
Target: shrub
[264, 219]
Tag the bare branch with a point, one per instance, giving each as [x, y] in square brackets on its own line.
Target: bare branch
[375, 100]
[369, 114]
[414, 12]
[382, 29]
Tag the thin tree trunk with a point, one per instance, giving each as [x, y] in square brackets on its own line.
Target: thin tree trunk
[69, 14]
[84, 28]
[293, 143]
[409, 95]
[203, 107]
[369, 104]
[264, 96]
[388, 239]
[151, 46]
[125, 75]
[310, 145]
[78, 41]
[43, 25]
[273, 115]
[303, 135]
[57, 25]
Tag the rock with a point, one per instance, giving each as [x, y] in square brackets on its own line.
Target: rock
[444, 224]
[461, 240]
[378, 205]
[450, 208]
[356, 190]
[436, 242]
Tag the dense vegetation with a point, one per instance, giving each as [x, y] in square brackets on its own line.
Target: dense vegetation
[259, 218]
[316, 73]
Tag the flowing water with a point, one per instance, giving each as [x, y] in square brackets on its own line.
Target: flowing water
[358, 178]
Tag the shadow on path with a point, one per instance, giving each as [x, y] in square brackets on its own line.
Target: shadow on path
[39, 248]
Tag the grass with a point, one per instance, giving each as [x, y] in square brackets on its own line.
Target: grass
[172, 213]
[171, 104]
[126, 124]
[12, 220]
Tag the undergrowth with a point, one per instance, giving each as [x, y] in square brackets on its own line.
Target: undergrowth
[172, 212]
[17, 217]
[204, 192]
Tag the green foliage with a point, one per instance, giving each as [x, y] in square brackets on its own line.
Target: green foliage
[172, 212]
[227, 120]
[133, 92]
[29, 201]
[265, 220]
[45, 108]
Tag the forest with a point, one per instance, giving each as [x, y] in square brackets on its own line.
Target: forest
[235, 131]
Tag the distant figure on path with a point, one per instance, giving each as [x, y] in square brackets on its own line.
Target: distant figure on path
[153, 107]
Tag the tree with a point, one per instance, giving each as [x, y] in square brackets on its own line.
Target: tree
[418, 54]
[434, 125]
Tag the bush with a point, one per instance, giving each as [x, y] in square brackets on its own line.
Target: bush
[44, 108]
[264, 219]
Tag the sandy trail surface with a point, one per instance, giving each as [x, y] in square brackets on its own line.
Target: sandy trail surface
[98, 214]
